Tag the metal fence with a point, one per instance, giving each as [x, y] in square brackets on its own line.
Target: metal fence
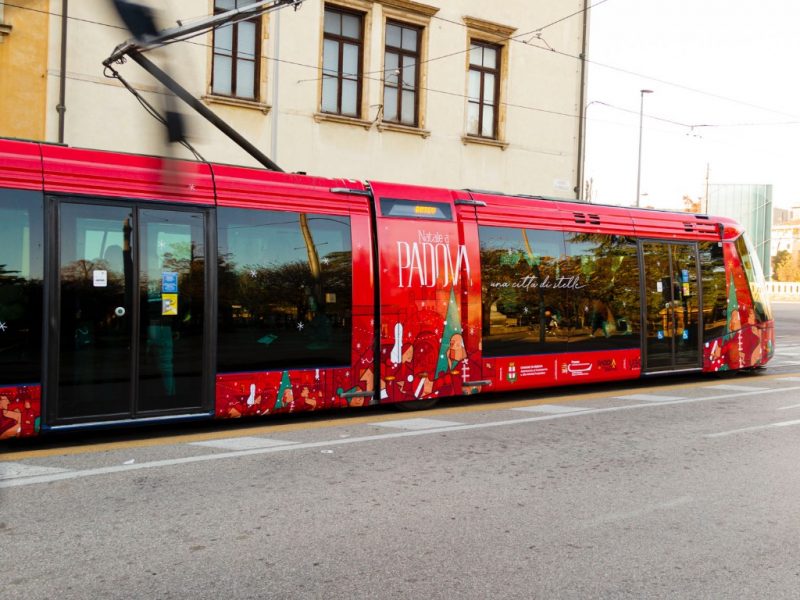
[784, 290]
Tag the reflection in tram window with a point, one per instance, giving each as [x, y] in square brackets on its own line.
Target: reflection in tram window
[94, 341]
[285, 290]
[604, 305]
[755, 278]
[548, 291]
[172, 296]
[715, 289]
[20, 286]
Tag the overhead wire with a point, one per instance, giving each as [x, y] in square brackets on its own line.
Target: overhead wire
[514, 38]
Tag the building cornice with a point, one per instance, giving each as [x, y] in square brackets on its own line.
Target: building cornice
[489, 28]
[410, 7]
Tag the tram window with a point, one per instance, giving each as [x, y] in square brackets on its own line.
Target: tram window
[21, 267]
[521, 300]
[285, 290]
[601, 302]
[548, 291]
[755, 277]
[715, 289]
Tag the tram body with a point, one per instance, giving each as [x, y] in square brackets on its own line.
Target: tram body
[134, 290]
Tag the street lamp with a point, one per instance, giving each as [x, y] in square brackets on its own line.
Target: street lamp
[582, 171]
[639, 168]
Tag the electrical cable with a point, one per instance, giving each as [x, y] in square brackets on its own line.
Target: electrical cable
[513, 38]
[149, 108]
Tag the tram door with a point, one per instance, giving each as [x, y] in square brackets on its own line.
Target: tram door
[671, 313]
[128, 313]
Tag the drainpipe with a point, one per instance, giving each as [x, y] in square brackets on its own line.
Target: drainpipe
[582, 108]
[276, 55]
[61, 107]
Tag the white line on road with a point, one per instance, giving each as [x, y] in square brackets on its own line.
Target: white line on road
[356, 440]
[242, 443]
[550, 408]
[788, 407]
[754, 428]
[650, 397]
[14, 470]
[417, 424]
[736, 388]
[633, 514]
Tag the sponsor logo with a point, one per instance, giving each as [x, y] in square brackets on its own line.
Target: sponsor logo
[576, 367]
[511, 376]
[607, 364]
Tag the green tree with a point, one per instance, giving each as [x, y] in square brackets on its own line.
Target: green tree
[789, 270]
[692, 206]
[779, 259]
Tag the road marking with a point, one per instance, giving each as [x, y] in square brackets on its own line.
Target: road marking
[15, 470]
[306, 422]
[788, 407]
[754, 428]
[550, 408]
[242, 443]
[358, 440]
[650, 397]
[417, 424]
[633, 514]
[736, 388]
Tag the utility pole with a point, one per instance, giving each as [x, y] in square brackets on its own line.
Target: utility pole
[639, 164]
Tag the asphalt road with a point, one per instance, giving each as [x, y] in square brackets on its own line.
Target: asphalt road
[671, 488]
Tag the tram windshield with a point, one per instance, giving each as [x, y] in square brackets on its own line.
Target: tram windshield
[755, 277]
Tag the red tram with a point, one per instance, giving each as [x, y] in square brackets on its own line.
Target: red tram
[132, 293]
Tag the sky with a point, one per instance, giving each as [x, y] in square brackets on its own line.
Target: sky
[725, 98]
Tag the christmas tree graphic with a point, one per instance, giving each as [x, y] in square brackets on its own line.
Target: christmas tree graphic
[732, 305]
[286, 383]
[452, 326]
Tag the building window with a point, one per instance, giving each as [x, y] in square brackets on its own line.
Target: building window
[401, 75]
[341, 62]
[483, 89]
[236, 53]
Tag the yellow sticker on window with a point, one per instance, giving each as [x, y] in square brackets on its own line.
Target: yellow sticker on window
[169, 304]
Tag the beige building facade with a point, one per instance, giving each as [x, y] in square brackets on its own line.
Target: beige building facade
[23, 71]
[465, 94]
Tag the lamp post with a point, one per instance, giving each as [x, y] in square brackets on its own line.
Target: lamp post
[639, 167]
[582, 171]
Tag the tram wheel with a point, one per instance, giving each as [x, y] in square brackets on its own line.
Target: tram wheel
[416, 404]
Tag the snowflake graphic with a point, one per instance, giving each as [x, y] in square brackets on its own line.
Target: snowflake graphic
[3, 326]
[300, 326]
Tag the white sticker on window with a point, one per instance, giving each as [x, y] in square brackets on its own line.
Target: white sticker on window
[100, 278]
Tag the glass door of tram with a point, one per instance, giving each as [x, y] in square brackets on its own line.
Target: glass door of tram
[128, 313]
[672, 319]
